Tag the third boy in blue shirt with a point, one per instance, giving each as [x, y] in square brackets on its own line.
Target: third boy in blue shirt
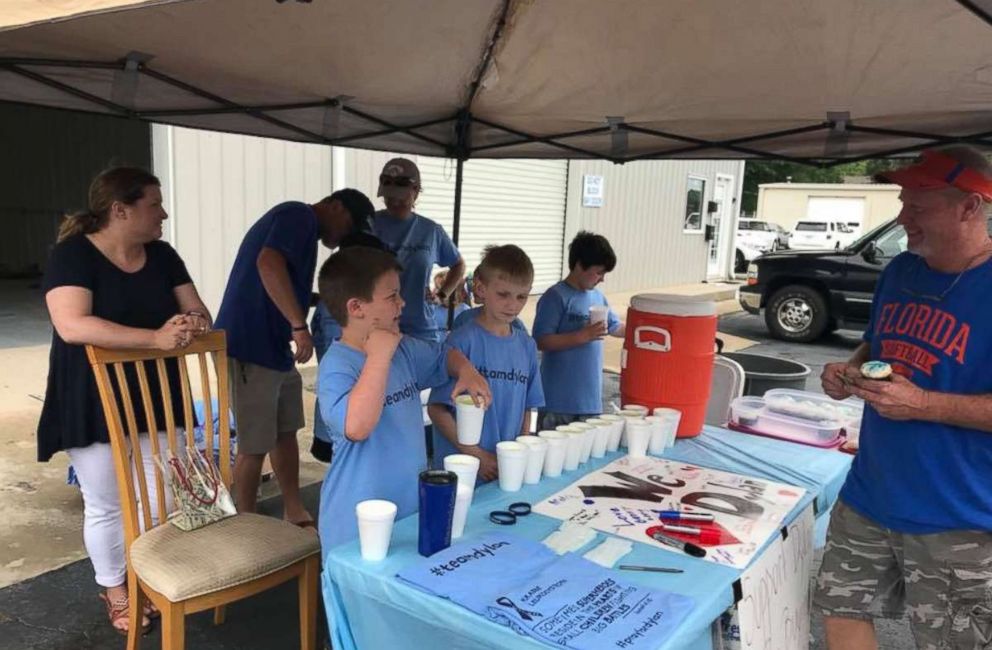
[572, 365]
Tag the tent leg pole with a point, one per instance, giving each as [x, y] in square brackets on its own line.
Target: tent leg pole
[456, 223]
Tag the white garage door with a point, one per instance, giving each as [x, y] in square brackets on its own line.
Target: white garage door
[518, 202]
[834, 208]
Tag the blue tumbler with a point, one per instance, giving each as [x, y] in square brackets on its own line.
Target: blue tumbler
[437, 508]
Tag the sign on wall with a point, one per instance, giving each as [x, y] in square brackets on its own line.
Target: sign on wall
[625, 498]
[592, 191]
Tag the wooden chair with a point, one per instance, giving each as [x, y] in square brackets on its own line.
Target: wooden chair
[187, 572]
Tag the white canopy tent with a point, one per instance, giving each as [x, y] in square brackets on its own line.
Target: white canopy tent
[799, 80]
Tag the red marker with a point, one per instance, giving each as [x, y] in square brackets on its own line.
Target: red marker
[706, 535]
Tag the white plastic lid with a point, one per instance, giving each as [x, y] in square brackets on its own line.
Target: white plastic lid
[673, 305]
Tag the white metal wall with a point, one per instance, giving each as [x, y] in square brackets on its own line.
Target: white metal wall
[503, 201]
[217, 185]
[642, 216]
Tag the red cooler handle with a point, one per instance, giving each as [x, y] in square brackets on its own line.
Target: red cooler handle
[665, 345]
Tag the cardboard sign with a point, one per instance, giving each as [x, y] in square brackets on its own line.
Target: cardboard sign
[625, 498]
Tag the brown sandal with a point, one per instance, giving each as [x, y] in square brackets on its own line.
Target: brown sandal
[118, 610]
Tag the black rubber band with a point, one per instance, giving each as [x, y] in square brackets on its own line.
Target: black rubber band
[502, 517]
[520, 509]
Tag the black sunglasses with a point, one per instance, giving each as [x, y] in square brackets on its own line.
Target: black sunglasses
[397, 181]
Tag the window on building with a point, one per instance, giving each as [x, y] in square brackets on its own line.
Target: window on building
[694, 196]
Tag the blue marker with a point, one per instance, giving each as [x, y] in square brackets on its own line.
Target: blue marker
[678, 515]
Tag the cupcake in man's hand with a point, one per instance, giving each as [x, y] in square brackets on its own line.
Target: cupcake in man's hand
[878, 370]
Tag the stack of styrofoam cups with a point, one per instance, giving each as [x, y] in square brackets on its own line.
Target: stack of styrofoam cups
[468, 420]
[659, 436]
[628, 415]
[601, 436]
[554, 459]
[375, 527]
[638, 437]
[643, 410]
[590, 432]
[616, 430]
[467, 469]
[576, 438]
[537, 449]
[511, 457]
[672, 417]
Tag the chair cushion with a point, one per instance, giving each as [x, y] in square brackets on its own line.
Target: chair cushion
[182, 565]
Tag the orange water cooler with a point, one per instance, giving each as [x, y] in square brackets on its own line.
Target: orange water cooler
[667, 357]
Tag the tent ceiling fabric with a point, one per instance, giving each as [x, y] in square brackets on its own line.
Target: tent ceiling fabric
[797, 79]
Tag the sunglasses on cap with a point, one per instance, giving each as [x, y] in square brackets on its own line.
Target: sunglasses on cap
[397, 181]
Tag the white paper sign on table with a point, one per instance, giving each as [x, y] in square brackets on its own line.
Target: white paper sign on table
[626, 497]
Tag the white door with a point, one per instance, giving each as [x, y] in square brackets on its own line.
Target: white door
[722, 221]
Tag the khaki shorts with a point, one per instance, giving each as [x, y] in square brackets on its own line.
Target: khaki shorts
[267, 403]
[943, 580]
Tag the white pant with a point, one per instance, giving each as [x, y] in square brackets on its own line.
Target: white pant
[103, 527]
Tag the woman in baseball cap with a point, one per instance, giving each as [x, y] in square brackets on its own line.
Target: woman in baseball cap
[419, 243]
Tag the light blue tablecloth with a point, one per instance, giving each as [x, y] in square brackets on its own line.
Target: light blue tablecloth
[368, 608]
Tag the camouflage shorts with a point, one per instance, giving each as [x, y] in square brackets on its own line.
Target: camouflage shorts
[943, 580]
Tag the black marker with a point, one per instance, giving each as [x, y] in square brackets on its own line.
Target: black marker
[688, 547]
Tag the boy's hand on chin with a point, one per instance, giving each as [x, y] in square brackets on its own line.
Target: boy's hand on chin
[383, 341]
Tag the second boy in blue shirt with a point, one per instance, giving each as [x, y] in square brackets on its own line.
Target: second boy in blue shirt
[505, 355]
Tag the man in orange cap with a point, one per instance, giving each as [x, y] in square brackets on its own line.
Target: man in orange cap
[912, 530]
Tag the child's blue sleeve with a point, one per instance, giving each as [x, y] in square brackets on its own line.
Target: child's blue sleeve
[429, 361]
[612, 319]
[334, 384]
[442, 394]
[535, 388]
[547, 318]
[447, 253]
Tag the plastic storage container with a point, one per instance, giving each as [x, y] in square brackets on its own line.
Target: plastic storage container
[753, 415]
[813, 406]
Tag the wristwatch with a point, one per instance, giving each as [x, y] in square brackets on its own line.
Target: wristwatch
[301, 328]
[442, 296]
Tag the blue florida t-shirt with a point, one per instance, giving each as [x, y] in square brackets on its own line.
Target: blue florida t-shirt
[385, 465]
[257, 332]
[922, 477]
[509, 365]
[419, 244]
[573, 378]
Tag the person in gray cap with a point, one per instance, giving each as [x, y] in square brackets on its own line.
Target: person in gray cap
[419, 244]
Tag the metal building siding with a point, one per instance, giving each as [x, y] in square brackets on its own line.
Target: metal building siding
[47, 161]
[217, 185]
[503, 201]
[642, 216]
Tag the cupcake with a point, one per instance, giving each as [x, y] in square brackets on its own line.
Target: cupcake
[876, 370]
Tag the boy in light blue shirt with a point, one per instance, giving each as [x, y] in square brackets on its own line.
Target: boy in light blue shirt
[369, 385]
[572, 363]
[502, 353]
[466, 316]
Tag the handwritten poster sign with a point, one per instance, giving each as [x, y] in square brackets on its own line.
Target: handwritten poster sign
[625, 497]
[773, 612]
[592, 191]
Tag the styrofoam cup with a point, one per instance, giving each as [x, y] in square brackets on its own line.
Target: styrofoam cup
[554, 459]
[465, 466]
[598, 313]
[643, 410]
[537, 448]
[576, 438]
[590, 436]
[616, 430]
[638, 437]
[375, 527]
[628, 416]
[463, 501]
[601, 436]
[671, 425]
[511, 457]
[659, 437]
[468, 418]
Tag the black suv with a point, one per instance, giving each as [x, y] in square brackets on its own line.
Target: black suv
[807, 293]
